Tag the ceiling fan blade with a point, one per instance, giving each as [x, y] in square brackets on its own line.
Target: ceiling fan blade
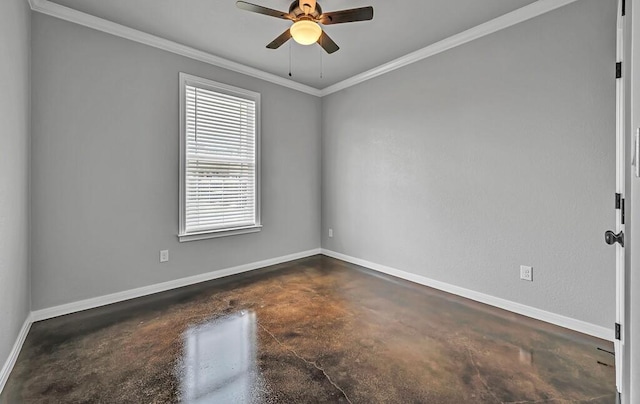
[263, 10]
[327, 43]
[276, 43]
[342, 16]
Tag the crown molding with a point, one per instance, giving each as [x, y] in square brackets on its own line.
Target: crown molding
[507, 20]
[68, 14]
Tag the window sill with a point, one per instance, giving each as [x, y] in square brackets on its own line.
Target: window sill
[218, 233]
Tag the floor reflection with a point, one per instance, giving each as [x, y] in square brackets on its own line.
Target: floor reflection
[220, 361]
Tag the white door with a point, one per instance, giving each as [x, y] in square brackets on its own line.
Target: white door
[620, 195]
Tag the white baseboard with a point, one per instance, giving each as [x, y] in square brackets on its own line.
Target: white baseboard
[38, 315]
[528, 311]
[15, 351]
[74, 307]
[69, 308]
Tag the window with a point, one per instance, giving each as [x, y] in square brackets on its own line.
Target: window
[219, 159]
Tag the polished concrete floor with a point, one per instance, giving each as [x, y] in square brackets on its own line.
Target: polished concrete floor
[313, 330]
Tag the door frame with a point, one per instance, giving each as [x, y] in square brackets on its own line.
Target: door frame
[631, 331]
[619, 339]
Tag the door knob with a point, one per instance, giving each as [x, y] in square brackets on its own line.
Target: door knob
[612, 238]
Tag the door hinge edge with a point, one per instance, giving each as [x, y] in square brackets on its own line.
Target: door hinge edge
[620, 205]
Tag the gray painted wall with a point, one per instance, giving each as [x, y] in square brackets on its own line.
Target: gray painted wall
[105, 167]
[14, 170]
[498, 153]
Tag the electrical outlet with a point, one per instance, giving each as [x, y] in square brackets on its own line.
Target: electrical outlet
[526, 273]
[164, 255]
[330, 232]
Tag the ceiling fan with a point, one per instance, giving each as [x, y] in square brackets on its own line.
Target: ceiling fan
[306, 15]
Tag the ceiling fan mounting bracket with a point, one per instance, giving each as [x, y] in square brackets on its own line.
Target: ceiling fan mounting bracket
[297, 11]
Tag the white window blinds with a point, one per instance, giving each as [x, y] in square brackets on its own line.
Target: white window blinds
[220, 158]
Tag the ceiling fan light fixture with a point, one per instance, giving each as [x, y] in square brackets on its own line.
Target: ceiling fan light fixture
[305, 32]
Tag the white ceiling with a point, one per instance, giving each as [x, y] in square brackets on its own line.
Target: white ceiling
[219, 28]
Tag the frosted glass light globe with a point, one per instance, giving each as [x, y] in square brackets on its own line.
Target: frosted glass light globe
[305, 32]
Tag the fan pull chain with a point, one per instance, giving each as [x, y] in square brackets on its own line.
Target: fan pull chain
[289, 58]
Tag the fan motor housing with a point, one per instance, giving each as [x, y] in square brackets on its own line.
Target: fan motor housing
[298, 12]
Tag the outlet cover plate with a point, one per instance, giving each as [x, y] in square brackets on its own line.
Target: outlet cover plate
[526, 273]
[164, 255]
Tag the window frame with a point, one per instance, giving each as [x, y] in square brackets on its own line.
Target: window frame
[187, 79]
